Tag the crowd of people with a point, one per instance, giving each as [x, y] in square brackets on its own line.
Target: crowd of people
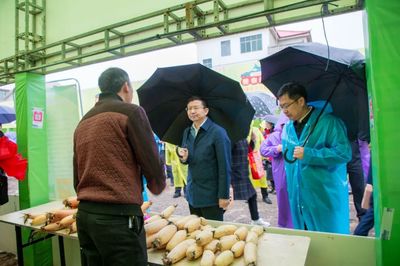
[307, 171]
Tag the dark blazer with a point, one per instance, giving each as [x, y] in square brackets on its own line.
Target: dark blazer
[209, 160]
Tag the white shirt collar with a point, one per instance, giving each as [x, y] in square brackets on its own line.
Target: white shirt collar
[197, 130]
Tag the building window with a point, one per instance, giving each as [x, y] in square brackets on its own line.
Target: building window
[251, 43]
[207, 62]
[225, 48]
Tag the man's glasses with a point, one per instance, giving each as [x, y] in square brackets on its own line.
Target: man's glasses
[286, 106]
[195, 108]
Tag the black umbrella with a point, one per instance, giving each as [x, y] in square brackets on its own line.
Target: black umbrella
[339, 80]
[164, 97]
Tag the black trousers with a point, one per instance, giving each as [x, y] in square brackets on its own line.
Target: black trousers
[111, 240]
[356, 177]
[252, 201]
[211, 213]
[366, 223]
[3, 188]
[264, 192]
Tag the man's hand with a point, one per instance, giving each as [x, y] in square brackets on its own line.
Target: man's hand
[223, 203]
[183, 153]
[298, 152]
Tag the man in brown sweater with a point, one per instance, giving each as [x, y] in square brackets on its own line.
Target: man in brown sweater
[113, 148]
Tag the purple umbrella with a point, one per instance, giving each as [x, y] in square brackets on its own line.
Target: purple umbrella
[7, 114]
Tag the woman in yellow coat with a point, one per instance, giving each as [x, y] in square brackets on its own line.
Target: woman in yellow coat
[255, 139]
[179, 170]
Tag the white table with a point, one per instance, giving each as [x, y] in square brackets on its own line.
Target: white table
[273, 249]
[17, 219]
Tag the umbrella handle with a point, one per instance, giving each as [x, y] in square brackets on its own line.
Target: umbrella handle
[177, 151]
[286, 158]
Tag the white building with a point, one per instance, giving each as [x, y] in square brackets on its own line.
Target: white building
[248, 46]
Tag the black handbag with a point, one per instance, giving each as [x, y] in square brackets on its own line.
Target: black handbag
[3, 188]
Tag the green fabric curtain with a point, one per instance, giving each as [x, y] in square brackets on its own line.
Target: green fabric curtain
[32, 144]
[383, 61]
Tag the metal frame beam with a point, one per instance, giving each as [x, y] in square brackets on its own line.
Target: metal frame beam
[29, 35]
[179, 24]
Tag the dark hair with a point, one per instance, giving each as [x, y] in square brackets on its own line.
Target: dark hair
[294, 90]
[197, 98]
[112, 80]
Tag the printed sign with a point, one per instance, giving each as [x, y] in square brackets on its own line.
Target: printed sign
[37, 117]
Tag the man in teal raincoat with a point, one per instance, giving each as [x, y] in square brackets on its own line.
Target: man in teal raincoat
[316, 181]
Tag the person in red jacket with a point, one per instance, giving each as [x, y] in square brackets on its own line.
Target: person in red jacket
[11, 164]
[11, 161]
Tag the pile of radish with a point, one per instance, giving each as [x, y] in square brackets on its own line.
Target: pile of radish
[192, 238]
[181, 237]
[58, 219]
[63, 218]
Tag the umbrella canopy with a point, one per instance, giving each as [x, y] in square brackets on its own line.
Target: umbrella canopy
[273, 119]
[263, 103]
[7, 115]
[340, 80]
[164, 97]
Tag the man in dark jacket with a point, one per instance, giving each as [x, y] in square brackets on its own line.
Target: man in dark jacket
[207, 149]
[113, 148]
